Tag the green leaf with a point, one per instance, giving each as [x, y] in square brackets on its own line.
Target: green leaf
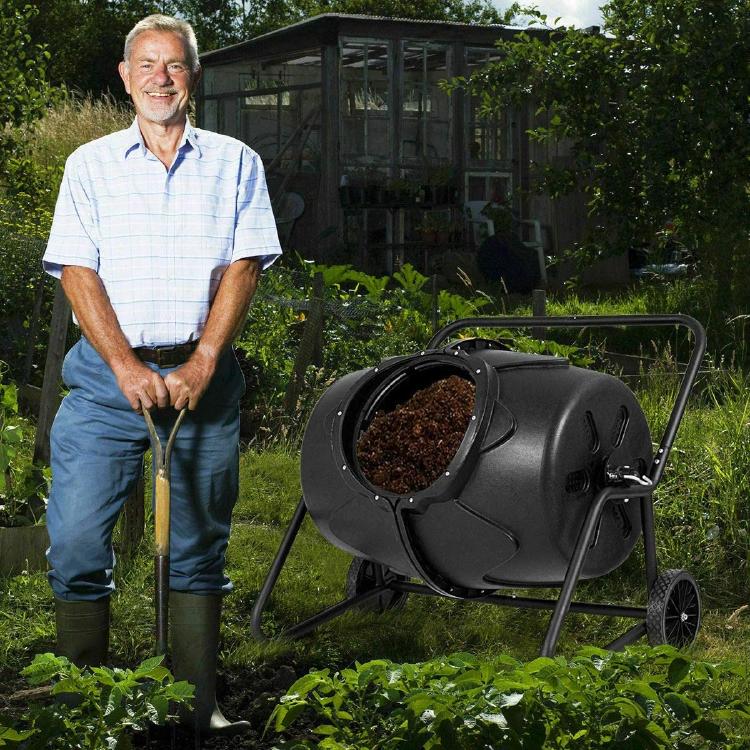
[103, 675]
[12, 434]
[641, 688]
[678, 670]
[708, 730]
[181, 689]
[512, 699]
[683, 707]
[287, 715]
[8, 734]
[325, 729]
[306, 683]
[146, 666]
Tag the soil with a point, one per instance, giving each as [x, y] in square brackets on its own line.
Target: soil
[408, 448]
[251, 697]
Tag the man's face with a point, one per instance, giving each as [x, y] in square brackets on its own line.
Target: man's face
[158, 78]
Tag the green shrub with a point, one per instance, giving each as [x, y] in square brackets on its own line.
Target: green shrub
[641, 699]
[111, 701]
[22, 484]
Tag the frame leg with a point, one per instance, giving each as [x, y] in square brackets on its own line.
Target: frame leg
[572, 574]
[311, 623]
[649, 540]
[273, 573]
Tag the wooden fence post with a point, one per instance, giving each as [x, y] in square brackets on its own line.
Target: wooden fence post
[50, 398]
[33, 330]
[312, 336]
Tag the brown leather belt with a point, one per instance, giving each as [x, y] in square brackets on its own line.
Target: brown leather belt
[166, 356]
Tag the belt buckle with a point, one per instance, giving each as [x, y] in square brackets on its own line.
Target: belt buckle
[164, 352]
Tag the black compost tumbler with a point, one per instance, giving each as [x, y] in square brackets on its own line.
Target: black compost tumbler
[551, 484]
[509, 507]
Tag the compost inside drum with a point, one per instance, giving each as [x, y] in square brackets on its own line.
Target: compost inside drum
[407, 448]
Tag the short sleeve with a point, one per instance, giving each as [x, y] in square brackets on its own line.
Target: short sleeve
[255, 234]
[73, 240]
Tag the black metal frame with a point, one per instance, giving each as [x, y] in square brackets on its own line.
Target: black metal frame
[563, 604]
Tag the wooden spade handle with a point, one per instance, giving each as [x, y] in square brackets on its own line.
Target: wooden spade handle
[161, 517]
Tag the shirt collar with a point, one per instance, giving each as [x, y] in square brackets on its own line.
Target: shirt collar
[133, 139]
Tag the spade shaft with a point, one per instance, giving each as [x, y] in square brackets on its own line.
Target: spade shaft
[161, 466]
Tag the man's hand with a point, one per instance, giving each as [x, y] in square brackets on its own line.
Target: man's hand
[142, 387]
[188, 383]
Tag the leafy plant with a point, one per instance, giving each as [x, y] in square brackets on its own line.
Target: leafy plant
[100, 704]
[22, 482]
[410, 279]
[643, 698]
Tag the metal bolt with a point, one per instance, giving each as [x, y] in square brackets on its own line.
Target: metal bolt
[478, 371]
[421, 354]
[473, 417]
[376, 369]
[339, 413]
[411, 499]
[661, 450]
[656, 460]
[627, 500]
[455, 354]
[377, 497]
[343, 468]
[447, 473]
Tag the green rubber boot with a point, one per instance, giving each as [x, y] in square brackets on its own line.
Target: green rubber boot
[194, 635]
[83, 631]
[82, 636]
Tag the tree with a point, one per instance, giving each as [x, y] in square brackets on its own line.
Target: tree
[85, 40]
[23, 88]
[656, 112]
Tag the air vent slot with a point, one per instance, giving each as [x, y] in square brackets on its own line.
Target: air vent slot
[619, 428]
[591, 432]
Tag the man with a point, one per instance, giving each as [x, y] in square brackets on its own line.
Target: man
[159, 237]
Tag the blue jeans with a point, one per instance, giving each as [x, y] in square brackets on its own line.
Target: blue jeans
[97, 445]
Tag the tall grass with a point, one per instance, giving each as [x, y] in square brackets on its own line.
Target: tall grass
[73, 121]
[702, 511]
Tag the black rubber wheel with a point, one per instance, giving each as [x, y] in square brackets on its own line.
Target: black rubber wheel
[674, 610]
[362, 577]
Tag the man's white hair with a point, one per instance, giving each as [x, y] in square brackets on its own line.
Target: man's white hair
[158, 22]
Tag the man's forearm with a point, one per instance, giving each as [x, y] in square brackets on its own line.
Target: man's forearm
[91, 305]
[228, 311]
[229, 308]
[142, 387]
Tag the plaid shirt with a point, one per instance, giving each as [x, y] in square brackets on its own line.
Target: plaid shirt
[161, 240]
